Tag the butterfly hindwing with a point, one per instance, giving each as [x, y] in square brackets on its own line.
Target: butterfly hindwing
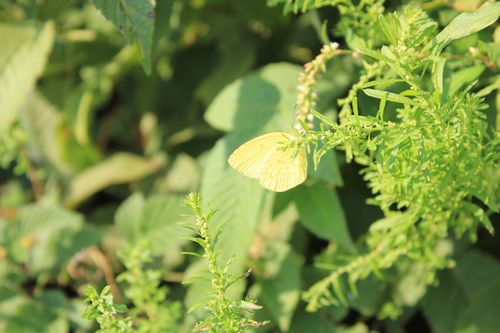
[284, 170]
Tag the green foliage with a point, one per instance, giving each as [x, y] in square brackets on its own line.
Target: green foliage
[151, 311]
[226, 313]
[422, 163]
[135, 20]
[111, 112]
[21, 63]
[106, 312]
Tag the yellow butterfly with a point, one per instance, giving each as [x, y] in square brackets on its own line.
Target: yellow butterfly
[277, 168]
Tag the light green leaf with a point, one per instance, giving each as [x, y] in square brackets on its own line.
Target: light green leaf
[262, 100]
[135, 20]
[45, 237]
[23, 55]
[471, 292]
[238, 200]
[280, 294]
[462, 77]
[118, 169]
[312, 322]
[235, 60]
[481, 315]
[442, 319]
[327, 170]
[466, 24]
[380, 94]
[321, 213]
[40, 120]
[476, 270]
[155, 219]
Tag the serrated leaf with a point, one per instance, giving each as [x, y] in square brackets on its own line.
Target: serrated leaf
[118, 169]
[45, 237]
[466, 24]
[321, 213]
[154, 219]
[135, 20]
[23, 55]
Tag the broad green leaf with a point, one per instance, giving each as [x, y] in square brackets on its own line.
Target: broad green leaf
[155, 219]
[327, 170]
[23, 54]
[262, 100]
[482, 314]
[321, 213]
[280, 293]
[311, 322]
[470, 292]
[476, 270]
[235, 60]
[238, 200]
[135, 20]
[45, 237]
[29, 316]
[40, 120]
[120, 168]
[466, 24]
[442, 319]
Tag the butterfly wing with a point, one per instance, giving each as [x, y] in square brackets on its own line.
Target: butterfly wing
[250, 158]
[284, 170]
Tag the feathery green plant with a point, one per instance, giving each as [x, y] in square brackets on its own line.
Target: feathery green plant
[109, 315]
[226, 314]
[428, 163]
[151, 311]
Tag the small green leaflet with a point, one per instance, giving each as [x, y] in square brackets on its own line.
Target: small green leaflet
[135, 21]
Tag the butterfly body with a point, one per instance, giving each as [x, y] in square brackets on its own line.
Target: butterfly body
[266, 158]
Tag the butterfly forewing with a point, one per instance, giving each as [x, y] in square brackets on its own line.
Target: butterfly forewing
[251, 157]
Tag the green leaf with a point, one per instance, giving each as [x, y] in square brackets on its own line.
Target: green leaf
[120, 168]
[380, 94]
[29, 316]
[470, 292]
[45, 237]
[321, 213]
[23, 54]
[40, 121]
[442, 319]
[280, 294]
[476, 270]
[235, 60]
[155, 219]
[481, 315]
[466, 24]
[135, 20]
[327, 170]
[311, 322]
[463, 77]
[237, 199]
[262, 100]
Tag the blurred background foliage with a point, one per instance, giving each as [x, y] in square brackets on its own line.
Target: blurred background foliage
[107, 122]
